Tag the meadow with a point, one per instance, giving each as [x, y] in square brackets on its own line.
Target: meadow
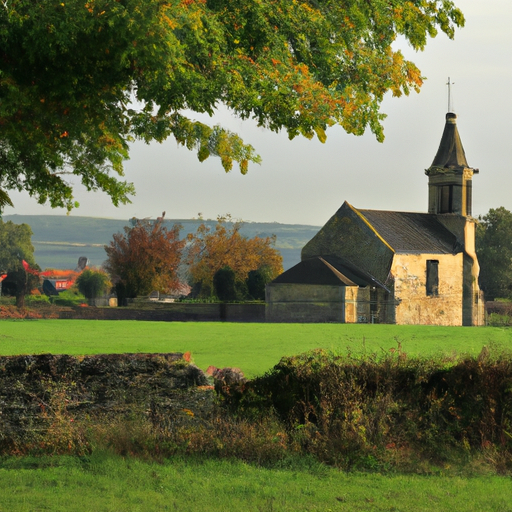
[108, 482]
[104, 483]
[252, 347]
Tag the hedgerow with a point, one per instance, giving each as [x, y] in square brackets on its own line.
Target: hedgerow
[383, 413]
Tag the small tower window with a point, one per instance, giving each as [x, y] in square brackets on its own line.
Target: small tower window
[432, 283]
[446, 199]
[468, 198]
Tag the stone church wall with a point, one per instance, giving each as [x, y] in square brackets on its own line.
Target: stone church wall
[310, 303]
[415, 306]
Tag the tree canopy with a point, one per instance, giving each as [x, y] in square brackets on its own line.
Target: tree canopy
[144, 258]
[15, 246]
[494, 251]
[210, 250]
[17, 259]
[81, 79]
[93, 283]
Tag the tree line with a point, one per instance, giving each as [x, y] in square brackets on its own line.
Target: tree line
[217, 262]
[213, 263]
[494, 251]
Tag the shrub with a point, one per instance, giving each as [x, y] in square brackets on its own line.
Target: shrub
[257, 281]
[35, 300]
[499, 320]
[224, 283]
[7, 301]
[70, 297]
[372, 413]
[93, 283]
[376, 412]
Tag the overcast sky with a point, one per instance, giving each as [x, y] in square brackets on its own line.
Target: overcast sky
[305, 182]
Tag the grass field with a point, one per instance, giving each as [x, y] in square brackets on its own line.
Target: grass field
[106, 483]
[255, 348]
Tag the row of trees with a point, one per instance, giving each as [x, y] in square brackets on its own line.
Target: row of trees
[149, 256]
[223, 263]
[218, 262]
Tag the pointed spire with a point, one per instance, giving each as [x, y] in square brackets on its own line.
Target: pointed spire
[449, 176]
[450, 154]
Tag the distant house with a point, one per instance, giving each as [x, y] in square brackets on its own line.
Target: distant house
[393, 267]
[55, 285]
[56, 281]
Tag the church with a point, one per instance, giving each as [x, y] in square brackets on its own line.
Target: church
[375, 266]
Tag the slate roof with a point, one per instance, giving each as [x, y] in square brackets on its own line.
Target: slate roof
[327, 270]
[450, 154]
[408, 232]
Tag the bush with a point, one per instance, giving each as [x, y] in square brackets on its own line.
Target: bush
[93, 283]
[372, 413]
[36, 300]
[224, 283]
[257, 281]
[71, 297]
[356, 413]
[498, 320]
[7, 300]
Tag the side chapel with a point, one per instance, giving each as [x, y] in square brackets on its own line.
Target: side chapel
[369, 266]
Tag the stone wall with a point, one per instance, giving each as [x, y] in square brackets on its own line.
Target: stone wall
[415, 306]
[305, 303]
[172, 312]
[38, 390]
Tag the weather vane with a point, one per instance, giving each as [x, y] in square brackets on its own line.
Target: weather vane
[449, 84]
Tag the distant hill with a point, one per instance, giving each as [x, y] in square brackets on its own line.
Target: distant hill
[60, 240]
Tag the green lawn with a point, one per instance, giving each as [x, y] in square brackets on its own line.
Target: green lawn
[254, 348]
[110, 483]
[102, 483]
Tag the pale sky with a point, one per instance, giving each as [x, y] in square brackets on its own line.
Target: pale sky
[305, 182]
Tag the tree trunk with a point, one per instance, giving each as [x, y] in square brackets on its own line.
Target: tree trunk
[20, 299]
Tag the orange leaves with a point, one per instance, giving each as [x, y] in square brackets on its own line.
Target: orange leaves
[145, 258]
[210, 251]
[414, 75]
[170, 23]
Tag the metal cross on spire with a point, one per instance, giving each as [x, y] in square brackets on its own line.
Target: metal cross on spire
[449, 84]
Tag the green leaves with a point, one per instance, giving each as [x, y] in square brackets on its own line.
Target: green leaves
[5, 200]
[299, 66]
[15, 246]
[494, 251]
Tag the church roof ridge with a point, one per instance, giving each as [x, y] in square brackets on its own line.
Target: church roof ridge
[365, 220]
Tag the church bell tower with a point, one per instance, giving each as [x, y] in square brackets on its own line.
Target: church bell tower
[449, 198]
[449, 176]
